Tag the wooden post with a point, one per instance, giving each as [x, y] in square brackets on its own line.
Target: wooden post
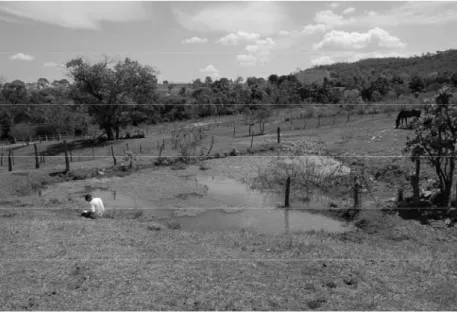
[349, 116]
[127, 147]
[252, 138]
[356, 194]
[399, 195]
[250, 126]
[10, 160]
[114, 156]
[211, 147]
[287, 195]
[37, 162]
[67, 159]
[141, 149]
[287, 205]
[279, 135]
[234, 130]
[318, 121]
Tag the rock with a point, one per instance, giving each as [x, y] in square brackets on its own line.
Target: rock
[234, 152]
[174, 225]
[426, 194]
[452, 214]
[155, 226]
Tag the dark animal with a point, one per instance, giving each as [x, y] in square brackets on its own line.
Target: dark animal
[404, 115]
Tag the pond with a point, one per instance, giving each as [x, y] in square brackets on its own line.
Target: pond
[228, 205]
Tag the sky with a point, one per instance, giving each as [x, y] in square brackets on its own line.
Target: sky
[187, 40]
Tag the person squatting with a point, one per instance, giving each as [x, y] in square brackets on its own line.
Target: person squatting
[97, 208]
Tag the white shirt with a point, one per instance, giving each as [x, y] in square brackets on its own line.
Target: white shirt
[97, 206]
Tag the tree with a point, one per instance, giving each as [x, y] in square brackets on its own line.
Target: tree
[170, 87]
[416, 84]
[182, 91]
[42, 83]
[112, 91]
[436, 138]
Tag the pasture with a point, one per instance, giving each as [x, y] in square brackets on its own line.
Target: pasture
[141, 257]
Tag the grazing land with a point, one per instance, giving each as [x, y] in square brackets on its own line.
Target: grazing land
[134, 259]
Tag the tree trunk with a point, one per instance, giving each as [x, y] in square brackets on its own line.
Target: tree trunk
[117, 132]
[109, 132]
[448, 181]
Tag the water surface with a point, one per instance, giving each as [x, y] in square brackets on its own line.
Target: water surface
[227, 205]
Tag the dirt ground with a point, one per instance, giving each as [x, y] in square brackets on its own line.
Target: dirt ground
[53, 260]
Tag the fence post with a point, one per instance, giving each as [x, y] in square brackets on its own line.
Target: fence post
[416, 180]
[356, 193]
[37, 162]
[252, 138]
[287, 195]
[211, 147]
[279, 135]
[67, 159]
[114, 156]
[234, 130]
[399, 195]
[287, 205]
[10, 160]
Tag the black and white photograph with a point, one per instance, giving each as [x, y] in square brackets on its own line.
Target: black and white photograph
[228, 155]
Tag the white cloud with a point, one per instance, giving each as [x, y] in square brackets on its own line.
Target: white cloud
[22, 57]
[331, 19]
[85, 15]
[262, 44]
[284, 33]
[375, 37]
[409, 13]
[210, 70]
[349, 10]
[265, 18]
[322, 60]
[247, 59]
[334, 5]
[261, 50]
[195, 40]
[53, 64]
[312, 28]
[236, 38]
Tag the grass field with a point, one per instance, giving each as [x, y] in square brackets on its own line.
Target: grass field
[53, 260]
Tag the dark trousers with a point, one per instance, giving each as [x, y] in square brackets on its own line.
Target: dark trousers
[89, 214]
